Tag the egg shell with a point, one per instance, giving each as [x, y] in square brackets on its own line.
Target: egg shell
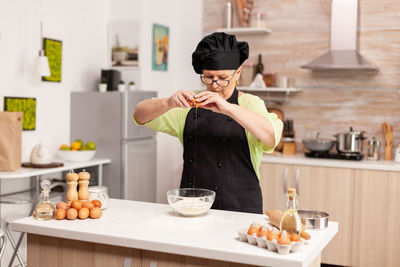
[60, 214]
[83, 213]
[72, 214]
[62, 205]
[95, 213]
[88, 204]
[76, 204]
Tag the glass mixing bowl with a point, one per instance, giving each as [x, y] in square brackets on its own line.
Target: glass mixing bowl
[191, 201]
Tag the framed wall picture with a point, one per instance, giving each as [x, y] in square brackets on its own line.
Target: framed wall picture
[123, 43]
[53, 51]
[28, 107]
[160, 47]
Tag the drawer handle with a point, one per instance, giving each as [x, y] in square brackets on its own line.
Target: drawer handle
[297, 181]
[285, 178]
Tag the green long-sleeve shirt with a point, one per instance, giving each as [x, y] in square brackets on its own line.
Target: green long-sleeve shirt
[173, 121]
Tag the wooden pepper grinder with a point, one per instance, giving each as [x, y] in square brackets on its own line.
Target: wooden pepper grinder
[84, 186]
[72, 183]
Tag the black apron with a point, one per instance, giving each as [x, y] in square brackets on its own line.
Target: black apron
[220, 161]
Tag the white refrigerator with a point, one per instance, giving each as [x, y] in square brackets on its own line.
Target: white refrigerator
[107, 119]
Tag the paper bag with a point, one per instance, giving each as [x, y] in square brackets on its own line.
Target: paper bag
[10, 140]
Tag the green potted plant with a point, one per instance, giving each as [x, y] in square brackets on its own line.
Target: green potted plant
[103, 85]
[132, 85]
[121, 86]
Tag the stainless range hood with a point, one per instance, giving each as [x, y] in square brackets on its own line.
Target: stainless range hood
[343, 54]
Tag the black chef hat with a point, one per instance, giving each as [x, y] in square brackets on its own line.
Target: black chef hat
[219, 51]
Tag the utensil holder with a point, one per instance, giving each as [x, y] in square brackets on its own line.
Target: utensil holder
[388, 152]
[289, 148]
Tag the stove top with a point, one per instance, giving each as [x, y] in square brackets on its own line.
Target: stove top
[325, 155]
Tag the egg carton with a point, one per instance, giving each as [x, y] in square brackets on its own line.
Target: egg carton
[273, 245]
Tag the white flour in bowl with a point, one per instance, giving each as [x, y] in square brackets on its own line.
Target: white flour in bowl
[191, 206]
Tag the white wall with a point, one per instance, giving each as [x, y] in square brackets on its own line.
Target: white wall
[185, 30]
[81, 25]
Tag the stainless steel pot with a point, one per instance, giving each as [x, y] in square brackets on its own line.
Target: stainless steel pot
[350, 142]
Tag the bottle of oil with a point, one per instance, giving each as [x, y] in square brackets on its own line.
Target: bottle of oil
[44, 210]
[290, 219]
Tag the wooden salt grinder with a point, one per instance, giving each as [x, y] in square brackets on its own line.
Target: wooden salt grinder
[84, 186]
[72, 183]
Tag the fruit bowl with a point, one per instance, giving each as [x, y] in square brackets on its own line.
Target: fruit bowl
[191, 201]
[78, 156]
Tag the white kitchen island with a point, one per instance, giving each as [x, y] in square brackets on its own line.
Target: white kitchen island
[134, 233]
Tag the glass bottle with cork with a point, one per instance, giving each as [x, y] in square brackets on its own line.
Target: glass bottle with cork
[259, 66]
[291, 221]
[45, 209]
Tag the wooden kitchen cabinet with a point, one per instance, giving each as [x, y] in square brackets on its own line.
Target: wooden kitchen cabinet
[272, 183]
[330, 190]
[319, 188]
[376, 239]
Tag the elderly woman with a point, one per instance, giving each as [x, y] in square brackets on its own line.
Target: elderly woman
[224, 138]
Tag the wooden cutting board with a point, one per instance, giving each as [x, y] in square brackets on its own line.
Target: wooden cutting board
[42, 166]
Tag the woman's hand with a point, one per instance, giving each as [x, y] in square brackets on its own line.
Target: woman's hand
[213, 101]
[180, 99]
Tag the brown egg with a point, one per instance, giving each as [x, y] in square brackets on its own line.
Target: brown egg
[263, 231]
[61, 213]
[253, 229]
[295, 237]
[83, 213]
[96, 203]
[87, 204]
[72, 214]
[96, 213]
[76, 204]
[62, 205]
[284, 240]
[84, 175]
[271, 236]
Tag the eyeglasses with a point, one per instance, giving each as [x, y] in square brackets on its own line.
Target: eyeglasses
[219, 82]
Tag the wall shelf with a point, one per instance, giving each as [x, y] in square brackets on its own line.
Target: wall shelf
[269, 89]
[245, 30]
[265, 93]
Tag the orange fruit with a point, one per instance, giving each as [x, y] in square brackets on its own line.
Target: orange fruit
[63, 147]
[75, 146]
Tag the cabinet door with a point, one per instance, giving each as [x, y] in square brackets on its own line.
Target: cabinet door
[376, 240]
[272, 182]
[330, 190]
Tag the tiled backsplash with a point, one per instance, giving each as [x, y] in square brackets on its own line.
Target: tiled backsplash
[331, 101]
